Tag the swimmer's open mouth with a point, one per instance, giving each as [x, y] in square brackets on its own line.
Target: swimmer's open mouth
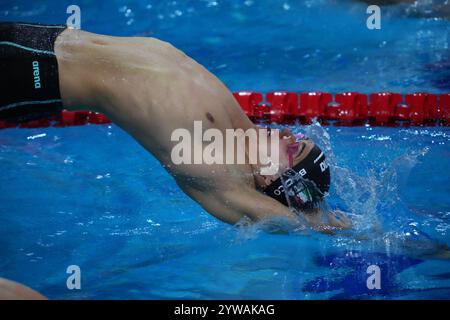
[294, 150]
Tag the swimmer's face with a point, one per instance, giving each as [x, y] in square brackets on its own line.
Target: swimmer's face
[291, 152]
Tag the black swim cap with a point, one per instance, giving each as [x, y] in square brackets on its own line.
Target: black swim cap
[306, 183]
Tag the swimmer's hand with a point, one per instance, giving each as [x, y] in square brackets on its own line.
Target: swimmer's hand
[338, 219]
[328, 222]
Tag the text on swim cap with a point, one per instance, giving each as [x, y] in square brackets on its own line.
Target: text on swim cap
[36, 76]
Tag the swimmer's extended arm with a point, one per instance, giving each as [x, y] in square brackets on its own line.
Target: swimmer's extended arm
[259, 207]
[232, 206]
[328, 221]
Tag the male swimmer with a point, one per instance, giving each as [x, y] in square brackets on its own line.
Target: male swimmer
[149, 88]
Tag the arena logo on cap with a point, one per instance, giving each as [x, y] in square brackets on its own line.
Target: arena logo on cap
[212, 147]
[36, 75]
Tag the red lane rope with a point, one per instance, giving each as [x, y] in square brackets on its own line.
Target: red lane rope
[346, 109]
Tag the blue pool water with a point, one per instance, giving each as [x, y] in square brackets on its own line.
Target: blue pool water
[91, 196]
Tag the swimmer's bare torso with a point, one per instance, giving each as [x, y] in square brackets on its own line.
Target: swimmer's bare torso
[149, 88]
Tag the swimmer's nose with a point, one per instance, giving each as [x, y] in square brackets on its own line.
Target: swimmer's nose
[300, 136]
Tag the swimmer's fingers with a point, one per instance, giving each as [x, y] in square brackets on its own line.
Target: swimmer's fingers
[341, 215]
[339, 220]
[325, 229]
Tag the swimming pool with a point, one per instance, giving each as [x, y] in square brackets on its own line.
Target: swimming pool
[91, 196]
